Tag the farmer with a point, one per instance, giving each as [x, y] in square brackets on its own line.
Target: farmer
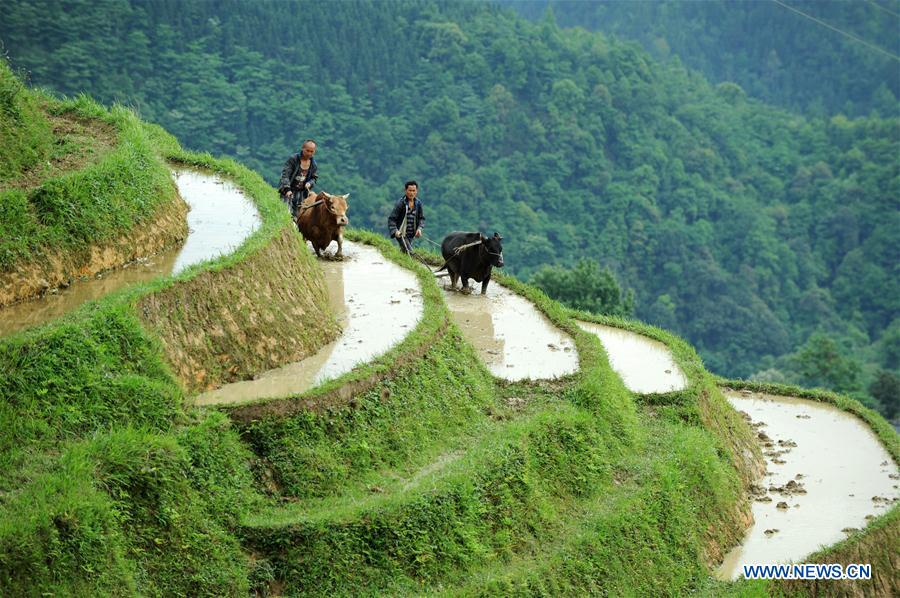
[298, 176]
[406, 220]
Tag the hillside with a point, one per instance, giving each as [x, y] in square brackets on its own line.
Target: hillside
[820, 57]
[417, 472]
[744, 228]
[81, 191]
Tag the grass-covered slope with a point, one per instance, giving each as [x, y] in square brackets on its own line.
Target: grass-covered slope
[439, 478]
[426, 476]
[82, 190]
[25, 134]
[415, 473]
[108, 485]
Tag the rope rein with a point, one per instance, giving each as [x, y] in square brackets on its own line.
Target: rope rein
[458, 251]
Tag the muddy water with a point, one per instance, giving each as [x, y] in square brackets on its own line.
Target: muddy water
[377, 302]
[220, 218]
[644, 364]
[836, 477]
[513, 338]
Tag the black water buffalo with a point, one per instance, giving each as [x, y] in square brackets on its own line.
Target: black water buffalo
[471, 255]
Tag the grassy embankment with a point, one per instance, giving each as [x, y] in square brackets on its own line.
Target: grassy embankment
[428, 479]
[108, 485]
[874, 544]
[439, 478]
[415, 472]
[81, 191]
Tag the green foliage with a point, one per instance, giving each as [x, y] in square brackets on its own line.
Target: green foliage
[585, 287]
[73, 210]
[219, 466]
[478, 508]
[791, 65]
[76, 378]
[182, 549]
[314, 454]
[61, 535]
[106, 487]
[432, 482]
[886, 390]
[820, 363]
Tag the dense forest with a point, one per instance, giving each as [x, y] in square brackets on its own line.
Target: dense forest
[769, 239]
[814, 56]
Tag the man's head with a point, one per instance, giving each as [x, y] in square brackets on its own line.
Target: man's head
[308, 149]
[412, 189]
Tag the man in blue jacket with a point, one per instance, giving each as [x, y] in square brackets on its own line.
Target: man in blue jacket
[407, 218]
[298, 176]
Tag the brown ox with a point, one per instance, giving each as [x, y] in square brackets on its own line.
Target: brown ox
[321, 220]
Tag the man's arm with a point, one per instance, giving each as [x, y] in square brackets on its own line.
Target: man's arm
[286, 173]
[421, 220]
[392, 220]
[313, 174]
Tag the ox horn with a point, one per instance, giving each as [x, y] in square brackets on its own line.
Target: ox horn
[346, 195]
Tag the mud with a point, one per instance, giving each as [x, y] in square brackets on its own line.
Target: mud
[377, 302]
[221, 217]
[827, 474]
[512, 337]
[644, 364]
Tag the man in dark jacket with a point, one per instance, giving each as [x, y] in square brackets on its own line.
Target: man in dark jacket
[407, 218]
[298, 176]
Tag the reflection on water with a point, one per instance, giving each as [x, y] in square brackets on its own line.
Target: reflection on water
[512, 337]
[221, 218]
[645, 365]
[377, 302]
[827, 472]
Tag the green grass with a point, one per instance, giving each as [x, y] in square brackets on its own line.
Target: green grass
[508, 485]
[641, 536]
[500, 487]
[121, 513]
[425, 480]
[69, 212]
[108, 485]
[26, 136]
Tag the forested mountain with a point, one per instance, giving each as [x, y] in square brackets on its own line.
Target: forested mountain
[813, 56]
[745, 228]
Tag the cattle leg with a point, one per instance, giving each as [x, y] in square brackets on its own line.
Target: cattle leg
[340, 252]
[453, 278]
[466, 289]
[484, 284]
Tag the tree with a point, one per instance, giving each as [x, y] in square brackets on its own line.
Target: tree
[886, 389]
[585, 287]
[821, 363]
